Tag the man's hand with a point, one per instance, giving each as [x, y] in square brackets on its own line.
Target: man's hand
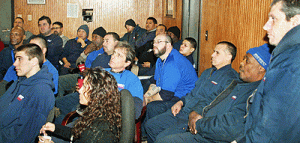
[67, 65]
[177, 107]
[153, 89]
[193, 118]
[90, 48]
[47, 127]
[146, 64]
[81, 41]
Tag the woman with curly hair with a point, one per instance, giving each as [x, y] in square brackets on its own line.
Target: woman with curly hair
[101, 119]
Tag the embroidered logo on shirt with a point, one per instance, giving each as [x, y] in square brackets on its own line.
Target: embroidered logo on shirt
[233, 97]
[20, 97]
[49, 40]
[264, 79]
[121, 86]
[213, 82]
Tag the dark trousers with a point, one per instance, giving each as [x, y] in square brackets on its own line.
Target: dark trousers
[165, 124]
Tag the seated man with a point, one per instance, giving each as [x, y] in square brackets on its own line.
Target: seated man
[74, 48]
[57, 29]
[26, 104]
[187, 49]
[11, 74]
[223, 119]
[19, 22]
[17, 36]
[94, 49]
[210, 84]
[151, 25]
[54, 42]
[134, 32]
[174, 33]
[274, 113]
[147, 59]
[122, 58]
[68, 82]
[174, 76]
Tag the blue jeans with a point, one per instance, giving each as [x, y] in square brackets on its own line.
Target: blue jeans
[183, 137]
[66, 84]
[166, 124]
[66, 104]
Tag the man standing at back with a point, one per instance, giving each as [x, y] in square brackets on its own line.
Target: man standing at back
[274, 115]
[54, 42]
[26, 104]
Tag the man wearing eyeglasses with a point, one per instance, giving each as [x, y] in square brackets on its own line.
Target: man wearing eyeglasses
[57, 29]
[174, 75]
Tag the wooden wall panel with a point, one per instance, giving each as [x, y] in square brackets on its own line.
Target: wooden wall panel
[238, 21]
[177, 20]
[111, 14]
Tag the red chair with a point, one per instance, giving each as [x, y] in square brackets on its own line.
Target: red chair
[138, 123]
[1, 46]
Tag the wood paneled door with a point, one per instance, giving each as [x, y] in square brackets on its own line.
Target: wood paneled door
[236, 21]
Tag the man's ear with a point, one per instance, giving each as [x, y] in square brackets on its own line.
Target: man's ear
[261, 69]
[34, 61]
[229, 57]
[296, 20]
[44, 50]
[127, 64]
[169, 45]
[192, 50]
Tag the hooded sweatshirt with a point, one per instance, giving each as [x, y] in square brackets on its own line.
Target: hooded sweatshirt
[25, 106]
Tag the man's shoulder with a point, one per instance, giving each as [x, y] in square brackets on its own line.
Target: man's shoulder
[55, 38]
[6, 50]
[51, 68]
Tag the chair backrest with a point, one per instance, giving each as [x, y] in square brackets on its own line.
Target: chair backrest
[128, 117]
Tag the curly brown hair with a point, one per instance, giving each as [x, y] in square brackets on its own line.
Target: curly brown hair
[104, 101]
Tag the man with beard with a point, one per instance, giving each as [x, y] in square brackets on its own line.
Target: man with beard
[174, 75]
[57, 29]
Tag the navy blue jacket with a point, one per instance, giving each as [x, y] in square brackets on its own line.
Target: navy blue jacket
[146, 37]
[25, 106]
[210, 84]
[72, 51]
[54, 49]
[101, 61]
[274, 115]
[6, 60]
[223, 119]
[132, 37]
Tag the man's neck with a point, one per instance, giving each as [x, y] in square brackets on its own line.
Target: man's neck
[117, 70]
[219, 67]
[17, 46]
[164, 56]
[33, 71]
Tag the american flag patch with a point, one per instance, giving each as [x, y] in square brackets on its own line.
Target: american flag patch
[121, 86]
[264, 79]
[20, 97]
[213, 82]
[233, 97]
